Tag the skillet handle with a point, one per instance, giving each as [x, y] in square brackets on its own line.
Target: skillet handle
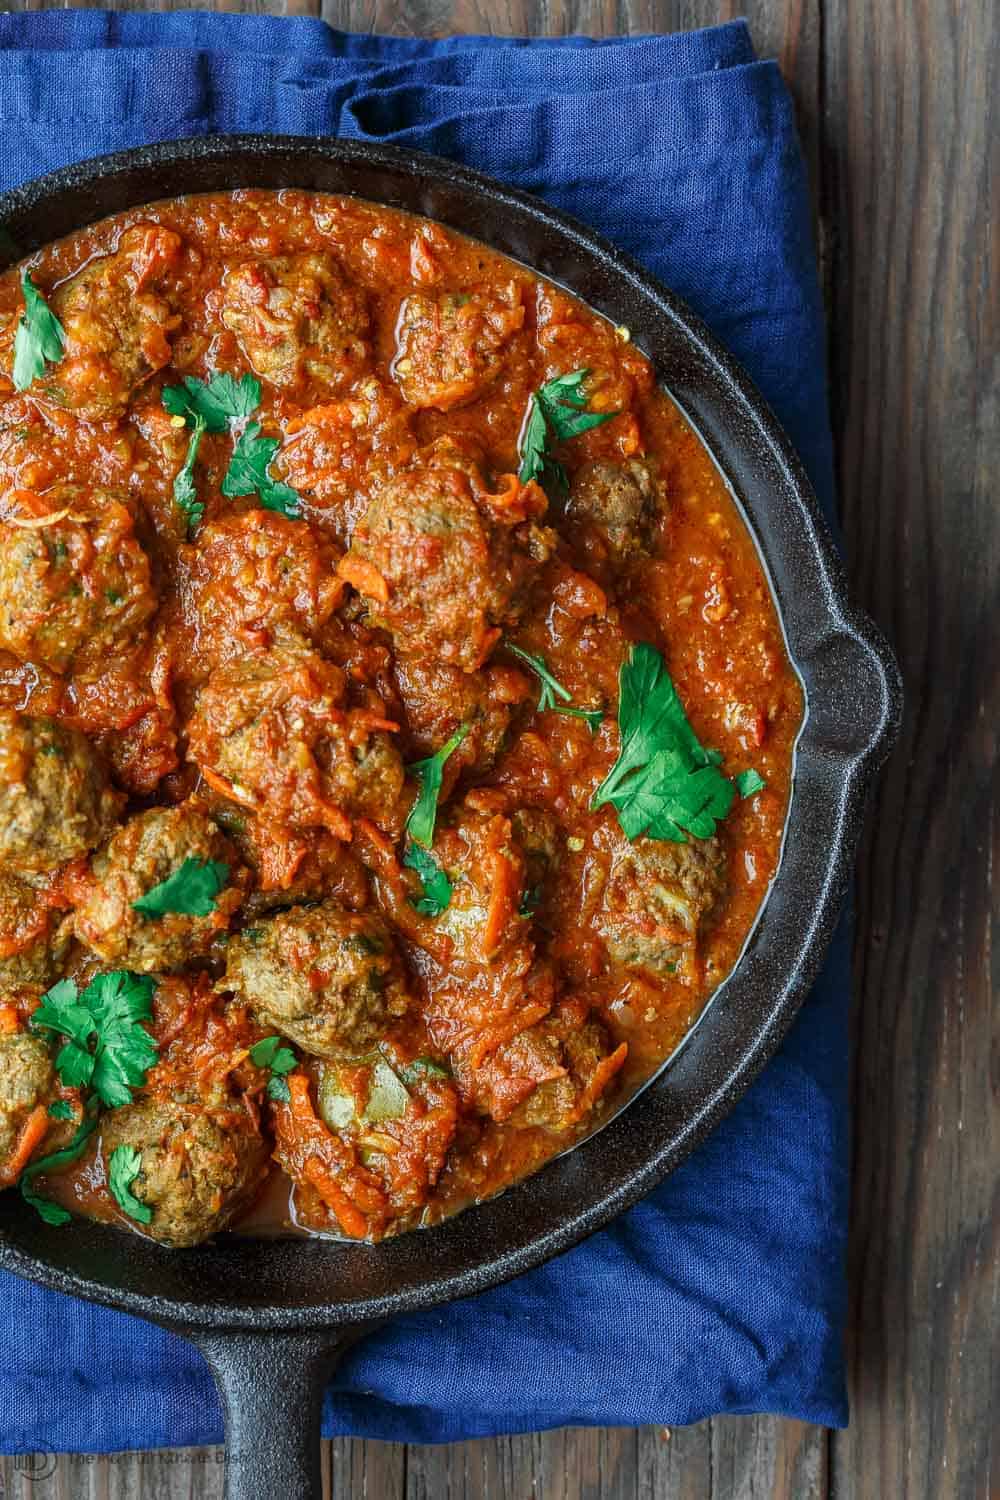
[271, 1385]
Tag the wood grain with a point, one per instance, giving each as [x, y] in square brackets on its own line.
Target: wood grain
[897, 107]
[911, 132]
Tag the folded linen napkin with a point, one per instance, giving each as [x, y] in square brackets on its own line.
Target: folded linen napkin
[723, 1291]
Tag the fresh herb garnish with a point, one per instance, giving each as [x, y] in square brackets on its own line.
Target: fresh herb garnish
[61, 1109]
[247, 473]
[551, 688]
[556, 411]
[185, 494]
[530, 901]
[216, 402]
[423, 813]
[206, 406]
[437, 888]
[40, 337]
[106, 1047]
[124, 1166]
[749, 783]
[270, 1052]
[54, 1213]
[665, 783]
[412, 1072]
[191, 890]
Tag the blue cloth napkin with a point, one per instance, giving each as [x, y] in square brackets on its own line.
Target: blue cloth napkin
[724, 1290]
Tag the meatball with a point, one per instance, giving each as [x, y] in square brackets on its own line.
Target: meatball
[438, 699]
[257, 578]
[573, 1059]
[621, 502]
[329, 979]
[444, 564]
[486, 866]
[26, 1080]
[74, 589]
[450, 347]
[658, 899]
[198, 1167]
[270, 733]
[31, 952]
[149, 849]
[550, 1075]
[117, 315]
[55, 801]
[297, 316]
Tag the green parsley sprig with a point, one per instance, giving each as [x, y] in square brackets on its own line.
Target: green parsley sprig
[106, 1046]
[40, 338]
[665, 783]
[124, 1166]
[217, 402]
[54, 1213]
[191, 891]
[248, 473]
[551, 689]
[435, 884]
[556, 411]
[749, 783]
[270, 1052]
[423, 813]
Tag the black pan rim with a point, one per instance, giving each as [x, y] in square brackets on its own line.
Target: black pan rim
[840, 637]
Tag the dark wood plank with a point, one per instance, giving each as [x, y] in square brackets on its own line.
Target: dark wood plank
[911, 129]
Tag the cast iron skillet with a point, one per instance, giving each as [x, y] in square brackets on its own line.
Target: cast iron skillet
[272, 1317]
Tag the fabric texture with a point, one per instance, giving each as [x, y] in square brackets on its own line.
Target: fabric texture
[723, 1291]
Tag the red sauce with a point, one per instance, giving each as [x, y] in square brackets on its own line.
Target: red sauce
[272, 676]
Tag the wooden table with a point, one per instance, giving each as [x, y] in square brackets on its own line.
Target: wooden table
[897, 105]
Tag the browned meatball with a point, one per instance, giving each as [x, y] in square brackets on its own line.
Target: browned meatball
[118, 319]
[259, 578]
[31, 949]
[438, 699]
[621, 502]
[552, 1075]
[446, 565]
[450, 346]
[55, 801]
[658, 899]
[270, 732]
[297, 316]
[27, 1079]
[147, 851]
[478, 850]
[328, 978]
[75, 589]
[198, 1166]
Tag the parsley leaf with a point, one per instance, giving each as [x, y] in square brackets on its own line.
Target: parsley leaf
[423, 813]
[190, 891]
[247, 473]
[124, 1166]
[270, 1052]
[437, 888]
[551, 688]
[40, 337]
[61, 1109]
[54, 1213]
[664, 780]
[185, 494]
[215, 402]
[530, 901]
[749, 783]
[556, 411]
[106, 1045]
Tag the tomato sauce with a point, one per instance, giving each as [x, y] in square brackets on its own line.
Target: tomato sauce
[287, 652]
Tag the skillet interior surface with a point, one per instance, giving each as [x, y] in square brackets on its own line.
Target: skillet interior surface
[853, 703]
